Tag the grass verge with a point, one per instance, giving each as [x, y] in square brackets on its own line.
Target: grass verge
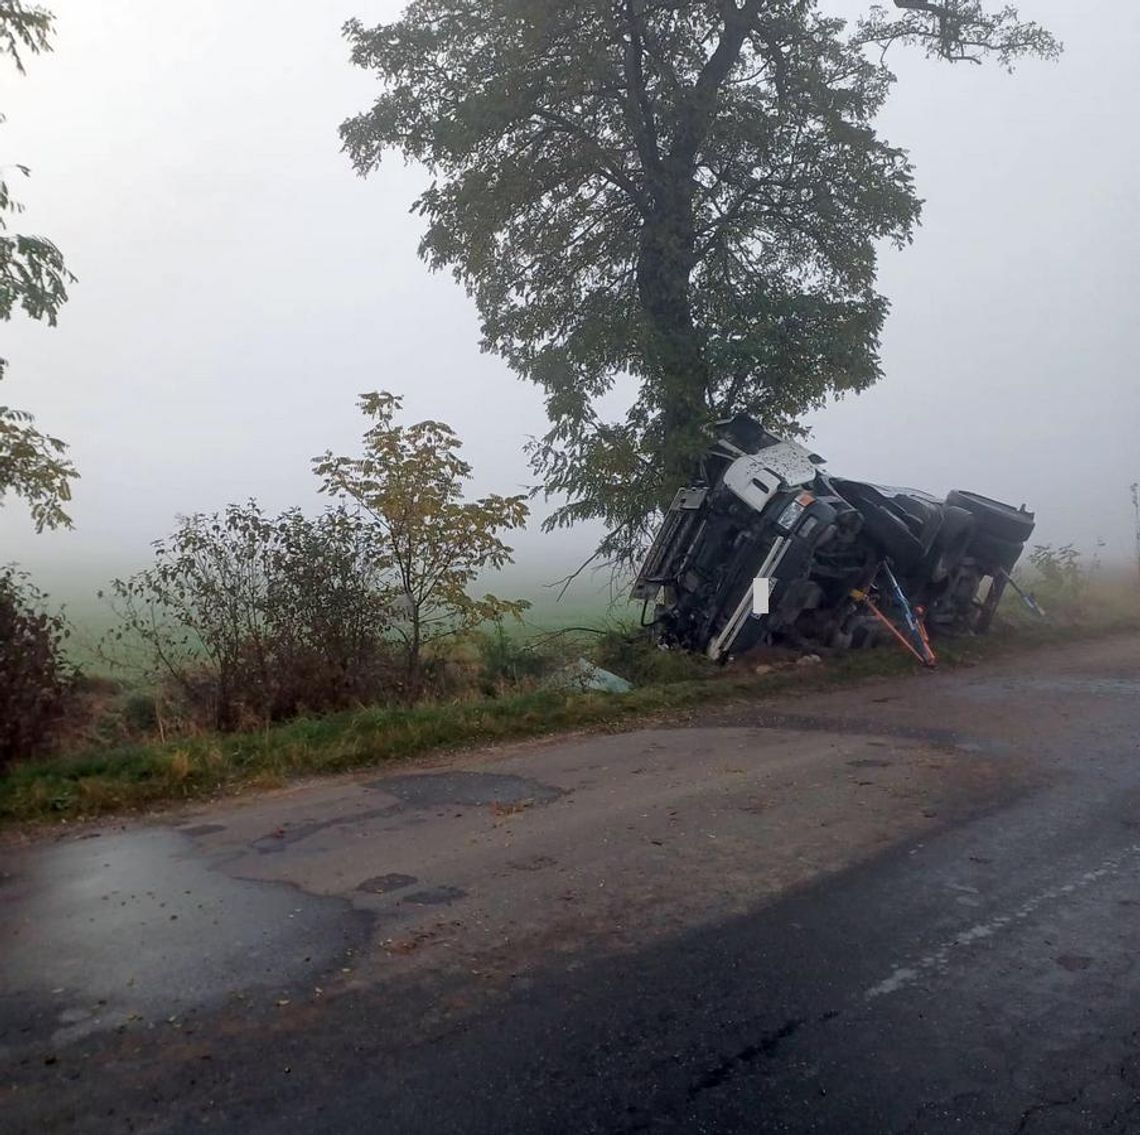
[132, 777]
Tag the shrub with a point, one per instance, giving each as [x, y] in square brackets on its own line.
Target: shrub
[1062, 582]
[140, 712]
[36, 681]
[629, 651]
[507, 662]
[247, 619]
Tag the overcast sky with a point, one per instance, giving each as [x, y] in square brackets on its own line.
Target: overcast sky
[239, 285]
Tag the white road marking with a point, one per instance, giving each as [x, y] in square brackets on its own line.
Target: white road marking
[938, 961]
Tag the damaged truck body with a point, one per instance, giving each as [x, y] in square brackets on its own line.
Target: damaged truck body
[767, 548]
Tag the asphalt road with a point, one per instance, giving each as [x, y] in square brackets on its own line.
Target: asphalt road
[908, 907]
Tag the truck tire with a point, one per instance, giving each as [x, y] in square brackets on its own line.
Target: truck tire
[955, 534]
[994, 554]
[994, 518]
[882, 525]
[896, 540]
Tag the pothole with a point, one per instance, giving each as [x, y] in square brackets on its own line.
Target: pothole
[427, 790]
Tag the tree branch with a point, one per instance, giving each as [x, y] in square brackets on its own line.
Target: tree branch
[693, 124]
[606, 166]
[639, 107]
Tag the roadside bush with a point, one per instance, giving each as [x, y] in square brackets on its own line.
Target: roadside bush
[627, 650]
[36, 681]
[140, 712]
[1061, 580]
[509, 662]
[247, 619]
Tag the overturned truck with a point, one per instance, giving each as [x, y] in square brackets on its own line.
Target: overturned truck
[767, 548]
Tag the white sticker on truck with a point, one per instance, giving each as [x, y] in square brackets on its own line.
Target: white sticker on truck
[761, 591]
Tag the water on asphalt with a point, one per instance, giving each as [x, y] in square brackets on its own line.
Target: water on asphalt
[132, 925]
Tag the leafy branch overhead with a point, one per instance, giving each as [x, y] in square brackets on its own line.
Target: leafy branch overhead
[34, 466]
[24, 29]
[34, 279]
[690, 194]
[959, 31]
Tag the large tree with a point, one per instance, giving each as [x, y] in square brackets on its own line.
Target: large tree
[33, 279]
[688, 193]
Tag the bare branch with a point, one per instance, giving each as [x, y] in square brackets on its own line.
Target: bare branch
[564, 584]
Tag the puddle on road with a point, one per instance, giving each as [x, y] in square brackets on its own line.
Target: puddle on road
[99, 931]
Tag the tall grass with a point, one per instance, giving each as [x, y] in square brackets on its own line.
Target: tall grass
[133, 776]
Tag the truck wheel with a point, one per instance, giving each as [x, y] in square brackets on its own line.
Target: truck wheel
[995, 518]
[954, 537]
[994, 554]
[892, 535]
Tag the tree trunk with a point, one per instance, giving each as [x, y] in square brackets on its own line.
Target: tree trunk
[413, 677]
[674, 346]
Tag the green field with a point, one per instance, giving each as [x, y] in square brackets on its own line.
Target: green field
[92, 620]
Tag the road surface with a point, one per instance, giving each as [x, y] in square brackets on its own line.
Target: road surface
[909, 907]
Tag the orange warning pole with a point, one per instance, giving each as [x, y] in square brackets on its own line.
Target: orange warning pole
[863, 597]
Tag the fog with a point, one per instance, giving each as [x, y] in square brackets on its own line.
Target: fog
[239, 285]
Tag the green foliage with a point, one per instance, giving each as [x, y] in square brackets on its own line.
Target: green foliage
[24, 28]
[36, 682]
[33, 278]
[689, 193]
[32, 272]
[961, 31]
[247, 617]
[509, 661]
[627, 650]
[112, 779]
[409, 483]
[1062, 582]
[34, 466]
[140, 712]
